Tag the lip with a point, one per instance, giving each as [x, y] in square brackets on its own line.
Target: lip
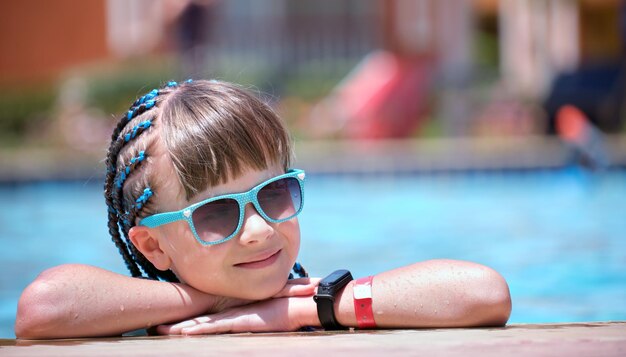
[261, 260]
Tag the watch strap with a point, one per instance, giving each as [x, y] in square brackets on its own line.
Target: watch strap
[325, 297]
[326, 312]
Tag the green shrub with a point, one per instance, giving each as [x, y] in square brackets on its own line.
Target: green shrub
[23, 109]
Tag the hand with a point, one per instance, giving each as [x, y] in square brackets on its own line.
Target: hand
[293, 287]
[299, 287]
[275, 314]
[282, 312]
[223, 303]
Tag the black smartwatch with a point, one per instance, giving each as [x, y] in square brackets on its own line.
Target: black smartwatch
[325, 297]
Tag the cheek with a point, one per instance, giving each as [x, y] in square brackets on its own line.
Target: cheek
[175, 236]
[196, 265]
[291, 231]
[181, 246]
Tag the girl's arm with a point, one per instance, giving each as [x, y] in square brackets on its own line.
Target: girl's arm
[82, 301]
[436, 293]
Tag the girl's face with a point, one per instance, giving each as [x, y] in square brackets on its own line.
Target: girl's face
[253, 265]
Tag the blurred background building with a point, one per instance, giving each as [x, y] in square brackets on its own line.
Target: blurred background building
[352, 69]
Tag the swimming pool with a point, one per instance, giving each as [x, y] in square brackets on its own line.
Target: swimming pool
[558, 237]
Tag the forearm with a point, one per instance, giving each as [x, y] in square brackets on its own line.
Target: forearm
[81, 301]
[437, 293]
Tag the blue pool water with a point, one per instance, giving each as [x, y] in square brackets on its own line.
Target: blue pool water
[558, 237]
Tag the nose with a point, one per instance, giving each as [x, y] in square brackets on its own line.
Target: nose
[255, 228]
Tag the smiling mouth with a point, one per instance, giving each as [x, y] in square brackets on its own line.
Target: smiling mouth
[262, 263]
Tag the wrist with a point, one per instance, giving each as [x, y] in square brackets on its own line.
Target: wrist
[306, 311]
[328, 290]
[344, 306]
[199, 302]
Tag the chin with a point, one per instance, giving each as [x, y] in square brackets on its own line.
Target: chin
[266, 288]
[260, 293]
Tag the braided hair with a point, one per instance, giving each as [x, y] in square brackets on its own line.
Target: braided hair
[122, 214]
[232, 126]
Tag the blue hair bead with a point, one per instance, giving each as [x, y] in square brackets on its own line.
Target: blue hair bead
[143, 125]
[137, 158]
[118, 182]
[150, 103]
[130, 114]
[124, 174]
[189, 80]
[147, 193]
[172, 84]
[150, 95]
[153, 94]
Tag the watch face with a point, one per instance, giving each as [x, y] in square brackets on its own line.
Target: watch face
[336, 280]
[324, 290]
[335, 277]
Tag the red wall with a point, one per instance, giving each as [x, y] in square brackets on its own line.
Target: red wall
[41, 38]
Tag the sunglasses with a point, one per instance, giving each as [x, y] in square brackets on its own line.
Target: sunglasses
[218, 219]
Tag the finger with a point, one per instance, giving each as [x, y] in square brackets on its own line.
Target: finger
[303, 281]
[302, 288]
[292, 290]
[212, 327]
[165, 330]
[175, 329]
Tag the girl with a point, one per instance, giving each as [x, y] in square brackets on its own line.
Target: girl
[202, 203]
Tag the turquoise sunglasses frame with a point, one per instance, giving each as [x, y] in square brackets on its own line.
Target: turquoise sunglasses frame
[242, 199]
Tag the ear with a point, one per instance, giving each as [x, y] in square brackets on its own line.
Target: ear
[146, 241]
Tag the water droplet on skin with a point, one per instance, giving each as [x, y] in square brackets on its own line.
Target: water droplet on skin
[394, 305]
[435, 312]
[75, 316]
[121, 307]
[447, 302]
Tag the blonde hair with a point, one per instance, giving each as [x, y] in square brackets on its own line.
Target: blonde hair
[211, 132]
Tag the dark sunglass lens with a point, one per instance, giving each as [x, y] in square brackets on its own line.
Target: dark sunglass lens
[216, 220]
[281, 199]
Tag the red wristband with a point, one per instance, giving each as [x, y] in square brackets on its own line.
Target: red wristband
[362, 293]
